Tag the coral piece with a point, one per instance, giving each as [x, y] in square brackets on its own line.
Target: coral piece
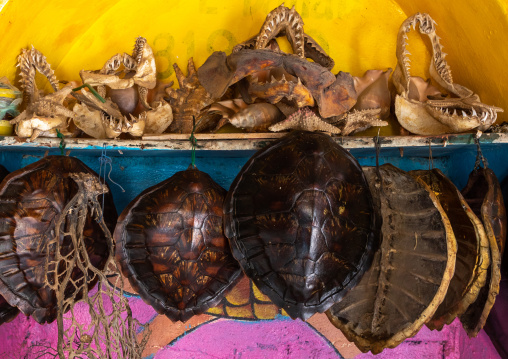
[139, 70]
[411, 271]
[306, 120]
[32, 202]
[41, 116]
[461, 110]
[188, 100]
[291, 216]
[171, 246]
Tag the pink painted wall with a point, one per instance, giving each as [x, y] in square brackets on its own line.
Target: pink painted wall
[235, 339]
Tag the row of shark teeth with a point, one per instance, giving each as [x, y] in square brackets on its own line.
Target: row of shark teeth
[137, 53]
[283, 18]
[426, 26]
[30, 61]
[483, 116]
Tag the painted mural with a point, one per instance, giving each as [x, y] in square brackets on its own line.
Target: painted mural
[244, 325]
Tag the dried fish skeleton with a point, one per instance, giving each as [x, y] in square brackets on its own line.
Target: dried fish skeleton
[420, 107]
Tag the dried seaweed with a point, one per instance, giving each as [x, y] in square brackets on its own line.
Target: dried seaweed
[110, 331]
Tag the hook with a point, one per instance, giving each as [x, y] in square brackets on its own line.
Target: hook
[377, 146]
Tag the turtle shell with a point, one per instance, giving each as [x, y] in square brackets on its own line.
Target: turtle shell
[7, 312]
[411, 271]
[472, 249]
[31, 201]
[3, 173]
[300, 220]
[483, 193]
[171, 245]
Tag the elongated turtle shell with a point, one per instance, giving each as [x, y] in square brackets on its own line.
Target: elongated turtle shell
[473, 258]
[31, 200]
[411, 271]
[7, 312]
[300, 220]
[171, 246]
[483, 193]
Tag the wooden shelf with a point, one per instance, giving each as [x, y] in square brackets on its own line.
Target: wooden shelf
[239, 142]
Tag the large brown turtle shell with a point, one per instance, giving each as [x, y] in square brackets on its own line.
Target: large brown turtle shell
[472, 248]
[7, 312]
[31, 200]
[483, 193]
[300, 220]
[171, 246]
[411, 271]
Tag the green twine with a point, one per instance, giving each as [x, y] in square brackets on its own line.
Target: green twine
[62, 142]
[194, 141]
[91, 90]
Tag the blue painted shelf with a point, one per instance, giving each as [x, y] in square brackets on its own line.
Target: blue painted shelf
[139, 164]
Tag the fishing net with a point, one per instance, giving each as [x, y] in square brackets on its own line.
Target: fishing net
[106, 329]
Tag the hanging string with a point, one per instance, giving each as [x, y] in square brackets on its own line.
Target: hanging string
[479, 154]
[62, 141]
[431, 159]
[377, 145]
[104, 161]
[92, 90]
[194, 142]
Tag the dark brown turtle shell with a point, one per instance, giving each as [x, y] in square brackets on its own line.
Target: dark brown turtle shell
[300, 220]
[171, 246]
[484, 196]
[411, 271]
[472, 248]
[7, 312]
[31, 200]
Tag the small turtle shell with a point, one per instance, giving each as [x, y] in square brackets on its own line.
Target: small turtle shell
[31, 200]
[171, 246]
[7, 312]
[472, 248]
[484, 196]
[300, 220]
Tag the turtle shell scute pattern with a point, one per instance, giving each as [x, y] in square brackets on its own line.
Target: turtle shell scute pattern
[300, 220]
[171, 245]
[7, 312]
[31, 201]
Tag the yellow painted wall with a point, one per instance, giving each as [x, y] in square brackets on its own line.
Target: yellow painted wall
[359, 34]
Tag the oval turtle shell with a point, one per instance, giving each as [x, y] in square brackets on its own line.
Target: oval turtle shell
[31, 201]
[411, 271]
[171, 246]
[7, 312]
[483, 193]
[300, 220]
[472, 248]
